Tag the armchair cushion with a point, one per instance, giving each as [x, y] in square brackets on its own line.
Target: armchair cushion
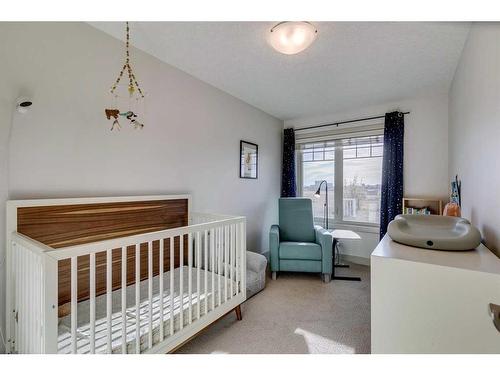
[296, 219]
[300, 251]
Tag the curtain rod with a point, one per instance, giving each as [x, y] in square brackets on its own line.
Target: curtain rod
[344, 122]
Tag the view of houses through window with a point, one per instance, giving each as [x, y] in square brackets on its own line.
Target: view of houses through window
[357, 162]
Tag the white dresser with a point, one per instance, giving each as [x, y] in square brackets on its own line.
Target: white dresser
[428, 301]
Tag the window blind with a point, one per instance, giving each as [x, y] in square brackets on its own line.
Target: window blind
[339, 133]
[353, 148]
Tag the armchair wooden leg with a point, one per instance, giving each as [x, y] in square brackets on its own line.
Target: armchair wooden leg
[326, 277]
[273, 275]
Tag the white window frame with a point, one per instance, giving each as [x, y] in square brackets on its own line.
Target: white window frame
[338, 193]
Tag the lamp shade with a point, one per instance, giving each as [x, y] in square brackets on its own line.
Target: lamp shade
[318, 192]
[292, 37]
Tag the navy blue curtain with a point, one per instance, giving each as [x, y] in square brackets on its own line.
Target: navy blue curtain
[392, 169]
[288, 173]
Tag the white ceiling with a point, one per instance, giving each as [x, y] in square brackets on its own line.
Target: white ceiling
[351, 64]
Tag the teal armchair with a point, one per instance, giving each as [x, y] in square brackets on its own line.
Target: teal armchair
[296, 244]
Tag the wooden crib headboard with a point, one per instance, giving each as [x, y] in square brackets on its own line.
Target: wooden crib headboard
[66, 222]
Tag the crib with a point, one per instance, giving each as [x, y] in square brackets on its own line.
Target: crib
[118, 275]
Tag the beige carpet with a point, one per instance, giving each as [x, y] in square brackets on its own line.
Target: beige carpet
[296, 313]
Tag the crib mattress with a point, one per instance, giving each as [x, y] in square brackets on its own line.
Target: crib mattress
[186, 306]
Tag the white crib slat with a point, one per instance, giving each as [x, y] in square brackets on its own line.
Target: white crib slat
[239, 259]
[25, 304]
[18, 296]
[235, 259]
[39, 291]
[31, 295]
[74, 302]
[241, 254]
[29, 305]
[160, 275]
[231, 261]
[27, 293]
[92, 303]
[205, 253]
[181, 280]
[226, 255]
[20, 301]
[172, 285]
[15, 290]
[243, 250]
[15, 287]
[150, 294]
[34, 306]
[124, 299]
[237, 256]
[137, 298]
[34, 283]
[26, 301]
[23, 299]
[219, 264]
[36, 293]
[190, 277]
[198, 261]
[109, 289]
[212, 264]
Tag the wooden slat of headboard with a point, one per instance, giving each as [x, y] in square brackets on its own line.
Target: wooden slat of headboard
[66, 225]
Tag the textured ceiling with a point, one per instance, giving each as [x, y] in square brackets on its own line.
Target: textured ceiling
[351, 64]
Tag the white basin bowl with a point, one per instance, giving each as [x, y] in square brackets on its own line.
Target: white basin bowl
[434, 232]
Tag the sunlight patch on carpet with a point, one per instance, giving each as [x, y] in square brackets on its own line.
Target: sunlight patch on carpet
[318, 344]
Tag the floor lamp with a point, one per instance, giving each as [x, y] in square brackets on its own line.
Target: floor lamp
[318, 194]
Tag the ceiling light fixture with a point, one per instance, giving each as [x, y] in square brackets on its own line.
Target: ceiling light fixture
[292, 37]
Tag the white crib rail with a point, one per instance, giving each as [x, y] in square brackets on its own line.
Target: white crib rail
[160, 313]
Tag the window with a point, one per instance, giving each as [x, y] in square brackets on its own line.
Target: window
[353, 169]
[318, 165]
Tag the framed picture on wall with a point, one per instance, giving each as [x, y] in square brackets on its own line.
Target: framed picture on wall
[249, 160]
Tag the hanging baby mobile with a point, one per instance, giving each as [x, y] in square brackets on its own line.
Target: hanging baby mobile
[128, 98]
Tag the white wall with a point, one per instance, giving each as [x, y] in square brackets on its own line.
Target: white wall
[425, 154]
[474, 130]
[190, 144]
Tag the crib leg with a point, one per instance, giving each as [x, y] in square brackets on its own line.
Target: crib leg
[237, 310]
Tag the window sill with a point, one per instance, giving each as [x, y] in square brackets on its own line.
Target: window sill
[357, 227]
[350, 225]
